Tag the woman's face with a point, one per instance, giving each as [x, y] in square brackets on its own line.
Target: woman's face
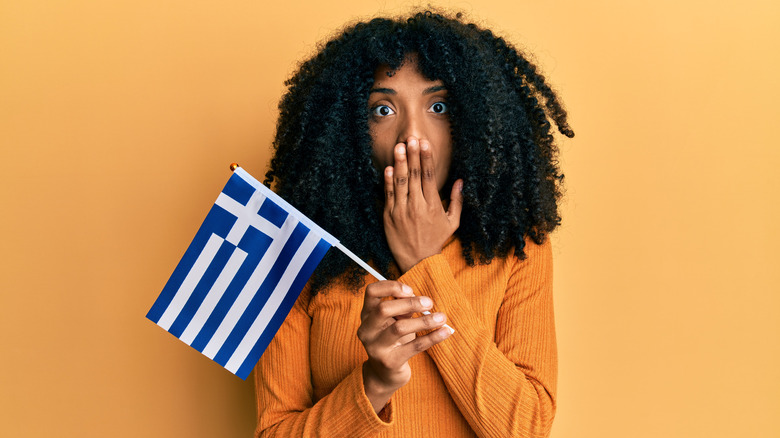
[407, 105]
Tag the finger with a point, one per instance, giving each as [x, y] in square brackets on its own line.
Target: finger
[372, 323]
[406, 316]
[456, 204]
[428, 169]
[375, 292]
[413, 161]
[400, 175]
[404, 327]
[402, 306]
[389, 189]
[422, 343]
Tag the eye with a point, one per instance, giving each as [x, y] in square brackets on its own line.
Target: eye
[439, 108]
[382, 110]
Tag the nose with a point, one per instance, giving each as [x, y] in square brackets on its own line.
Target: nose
[410, 124]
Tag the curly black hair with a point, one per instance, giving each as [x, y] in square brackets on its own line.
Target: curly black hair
[503, 147]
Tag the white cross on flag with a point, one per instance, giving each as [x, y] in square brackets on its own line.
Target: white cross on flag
[241, 274]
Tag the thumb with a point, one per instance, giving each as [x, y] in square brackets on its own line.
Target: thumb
[456, 203]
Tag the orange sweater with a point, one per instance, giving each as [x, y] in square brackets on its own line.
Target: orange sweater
[495, 377]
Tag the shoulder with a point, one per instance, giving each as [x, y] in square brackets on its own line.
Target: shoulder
[537, 260]
[534, 253]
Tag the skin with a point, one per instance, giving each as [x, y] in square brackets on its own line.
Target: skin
[411, 137]
[406, 106]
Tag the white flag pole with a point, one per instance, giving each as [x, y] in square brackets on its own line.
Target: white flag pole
[360, 262]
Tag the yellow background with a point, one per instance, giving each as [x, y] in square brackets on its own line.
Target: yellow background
[118, 120]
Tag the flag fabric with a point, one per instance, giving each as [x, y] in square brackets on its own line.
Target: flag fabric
[241, 274]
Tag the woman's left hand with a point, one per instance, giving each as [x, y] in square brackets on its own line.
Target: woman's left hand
[416, 224]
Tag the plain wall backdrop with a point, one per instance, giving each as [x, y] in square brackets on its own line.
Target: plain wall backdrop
[118, 120]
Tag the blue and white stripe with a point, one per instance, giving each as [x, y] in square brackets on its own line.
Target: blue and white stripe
[241, 274]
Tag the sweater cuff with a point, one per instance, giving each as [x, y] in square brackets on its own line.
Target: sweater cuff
[433, 277]
[428, 275]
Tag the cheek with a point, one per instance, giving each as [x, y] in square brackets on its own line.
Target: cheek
[443, 154]
[442, 169]
[382, 152]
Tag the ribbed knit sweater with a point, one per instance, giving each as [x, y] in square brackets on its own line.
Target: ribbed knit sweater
[494, 377]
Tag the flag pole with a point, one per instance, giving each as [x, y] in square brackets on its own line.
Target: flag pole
[358, 260]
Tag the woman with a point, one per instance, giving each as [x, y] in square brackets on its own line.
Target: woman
[387, 120]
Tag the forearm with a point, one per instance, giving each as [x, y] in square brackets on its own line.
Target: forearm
[499, 370]
[495, 395]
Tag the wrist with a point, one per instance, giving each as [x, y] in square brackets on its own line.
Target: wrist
[378, 392]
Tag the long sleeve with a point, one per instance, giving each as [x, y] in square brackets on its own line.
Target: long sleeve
[502, 373]
[495, 377]
[285, 396]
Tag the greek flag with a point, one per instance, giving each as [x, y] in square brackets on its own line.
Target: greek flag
[241, 274]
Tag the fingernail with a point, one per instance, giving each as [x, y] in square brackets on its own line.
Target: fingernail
[401, 149]
[426, 302]
[407, 290]
[438, 317]
[459, 185]
[424, 145]
[412, 142]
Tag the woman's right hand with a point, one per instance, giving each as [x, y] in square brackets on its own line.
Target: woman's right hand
[388, 333]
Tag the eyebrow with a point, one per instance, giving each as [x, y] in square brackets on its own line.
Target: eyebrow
[382, 90]
[429, 90]
[434, 89]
